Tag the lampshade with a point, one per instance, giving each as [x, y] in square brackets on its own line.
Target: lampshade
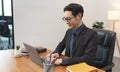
[114, 15]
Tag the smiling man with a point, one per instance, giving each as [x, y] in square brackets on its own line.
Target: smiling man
[79, 42]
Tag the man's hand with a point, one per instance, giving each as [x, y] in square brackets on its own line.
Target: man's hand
[58, 61]
[52, 56]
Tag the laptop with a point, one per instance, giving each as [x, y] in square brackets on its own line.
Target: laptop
[34, 55]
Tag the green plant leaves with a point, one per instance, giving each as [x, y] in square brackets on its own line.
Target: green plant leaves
[98, 25]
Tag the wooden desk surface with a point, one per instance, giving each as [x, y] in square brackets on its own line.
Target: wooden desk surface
[8, 63]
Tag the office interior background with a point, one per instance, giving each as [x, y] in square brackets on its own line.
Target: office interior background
[39, 23]
[6, 25]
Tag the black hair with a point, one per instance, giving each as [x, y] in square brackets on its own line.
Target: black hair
[75, 8]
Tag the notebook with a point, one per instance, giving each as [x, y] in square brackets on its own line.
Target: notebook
[34, 55]
[82, 67]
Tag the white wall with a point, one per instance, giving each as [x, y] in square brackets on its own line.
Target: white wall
[38, 22]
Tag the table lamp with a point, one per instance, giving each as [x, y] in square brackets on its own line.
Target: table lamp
[114, 16]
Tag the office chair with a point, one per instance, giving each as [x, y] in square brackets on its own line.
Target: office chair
[105, 50]
[4, 36]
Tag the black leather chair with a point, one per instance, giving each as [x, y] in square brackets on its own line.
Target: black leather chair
[105, 50]
[4, 33]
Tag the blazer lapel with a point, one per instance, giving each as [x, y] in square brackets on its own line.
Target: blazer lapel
[68, 43]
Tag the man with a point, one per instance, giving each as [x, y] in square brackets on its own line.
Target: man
[79, 41]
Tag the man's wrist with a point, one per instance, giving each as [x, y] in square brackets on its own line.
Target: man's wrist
[64, 61]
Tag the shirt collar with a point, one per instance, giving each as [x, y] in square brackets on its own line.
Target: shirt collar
[78, 30]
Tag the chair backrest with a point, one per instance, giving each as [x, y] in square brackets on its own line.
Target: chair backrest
[4, 30]
[105, 50]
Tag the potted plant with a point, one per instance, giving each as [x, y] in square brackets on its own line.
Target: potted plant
[17, 51]
[17, 47]
[98, 25]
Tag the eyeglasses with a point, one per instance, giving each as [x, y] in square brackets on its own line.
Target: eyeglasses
[67, 19]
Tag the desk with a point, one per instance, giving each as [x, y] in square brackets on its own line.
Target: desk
[22, 64]
[8, 63]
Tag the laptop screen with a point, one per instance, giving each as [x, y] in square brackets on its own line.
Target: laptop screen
[33, 54]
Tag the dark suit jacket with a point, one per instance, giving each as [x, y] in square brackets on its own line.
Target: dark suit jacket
[86, 46]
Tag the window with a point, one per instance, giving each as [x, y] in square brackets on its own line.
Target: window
[7, 7]
[6, 22]
[0, 7]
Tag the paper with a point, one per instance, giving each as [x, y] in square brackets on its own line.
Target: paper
[82, 67]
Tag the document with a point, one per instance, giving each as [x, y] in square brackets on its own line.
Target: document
[82, 67]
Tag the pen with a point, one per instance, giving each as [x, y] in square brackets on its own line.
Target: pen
[50, 58]
[54, 60]
[49, 62]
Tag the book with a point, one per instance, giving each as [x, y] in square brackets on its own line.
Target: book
[82, 67]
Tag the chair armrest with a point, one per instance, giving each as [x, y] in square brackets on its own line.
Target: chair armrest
[108, 67]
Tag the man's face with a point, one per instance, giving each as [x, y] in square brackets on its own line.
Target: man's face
[73, 22]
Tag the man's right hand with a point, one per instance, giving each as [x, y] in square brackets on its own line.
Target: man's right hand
[52, 56]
